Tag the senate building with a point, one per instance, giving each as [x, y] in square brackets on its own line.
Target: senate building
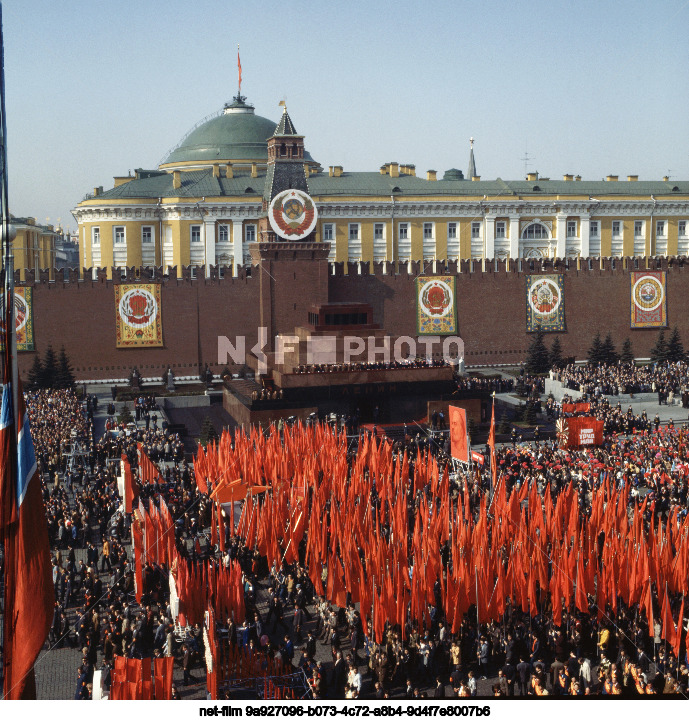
[201, 208]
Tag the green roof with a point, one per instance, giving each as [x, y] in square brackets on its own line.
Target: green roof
[195, 183]
[199, 183]
[236, 133]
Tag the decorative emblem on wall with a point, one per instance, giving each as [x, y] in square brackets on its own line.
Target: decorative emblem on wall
[138, 315]
[545, 303]
[436, 305]
[292, 214]
[649, 300]
[23, 317]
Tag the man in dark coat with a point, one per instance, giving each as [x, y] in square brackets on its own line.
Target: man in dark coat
[523, 674]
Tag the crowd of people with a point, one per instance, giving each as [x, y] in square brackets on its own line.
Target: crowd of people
[351, 367]
[524, 654]
[669, 380]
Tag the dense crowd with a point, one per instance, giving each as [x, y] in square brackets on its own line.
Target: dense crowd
[372, 365]
[669, 380]
[586, 654]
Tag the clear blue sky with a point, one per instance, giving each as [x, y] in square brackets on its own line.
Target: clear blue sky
[95, 89]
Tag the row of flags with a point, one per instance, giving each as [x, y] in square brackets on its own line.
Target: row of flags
[131, 679]
[361, 538]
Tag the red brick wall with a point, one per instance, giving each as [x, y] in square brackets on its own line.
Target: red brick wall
[490, 306]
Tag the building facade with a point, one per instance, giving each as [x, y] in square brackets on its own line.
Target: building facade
[201, 208]
[34, 246]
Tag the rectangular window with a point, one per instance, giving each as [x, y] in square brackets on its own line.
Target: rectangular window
[571, 228]
[682, 228]
[500, 229]
[638, 228]
[428, 231]
[378, 229]
[95, 236]
[250, 233]
[328, 231]
[118, 231]
[476, 230]
[404, 231]
[146, 234]
[660, 228]
[354, 231]
[594, 229]
[616, 228]
[452, 230]
[195, 233]
[223, 234]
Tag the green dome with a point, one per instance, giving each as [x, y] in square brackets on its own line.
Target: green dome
[235, 134]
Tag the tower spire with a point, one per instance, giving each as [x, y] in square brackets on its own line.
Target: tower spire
[471, 173]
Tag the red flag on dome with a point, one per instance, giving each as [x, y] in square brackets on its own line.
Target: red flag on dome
[239, 70]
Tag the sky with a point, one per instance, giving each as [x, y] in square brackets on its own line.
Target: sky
[95, 89]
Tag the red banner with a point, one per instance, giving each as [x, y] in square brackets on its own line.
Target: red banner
[584, 431]
[477, 458]
[576, 407]
[458, 434]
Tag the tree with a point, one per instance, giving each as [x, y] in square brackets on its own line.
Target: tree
[530, 413]
[556, 359]
[49, 368]
[596, 350]
[538, 360]
[675, 349]
[627, 354]
[35, 378]
[208, 432]
[64, 377]
[608, 351]
[125, 416]
[659, 351]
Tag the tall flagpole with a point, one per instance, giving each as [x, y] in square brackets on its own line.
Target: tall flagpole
[5, 257]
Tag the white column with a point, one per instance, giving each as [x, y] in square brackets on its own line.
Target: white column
[585, 233]
[514, 236]
[561, 235]
[209, 240]
[237, 251]
[489, 244]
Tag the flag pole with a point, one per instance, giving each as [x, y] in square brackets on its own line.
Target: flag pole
[6, 275]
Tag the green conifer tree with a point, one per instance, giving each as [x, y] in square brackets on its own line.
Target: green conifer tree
[538, 359]
[64, 377]
[208, 432]
[609, 353]
[49, 368]
[675, 349]
[556, 359]
[659, 351]
[627, 354]
[35, 377]
[596, 350]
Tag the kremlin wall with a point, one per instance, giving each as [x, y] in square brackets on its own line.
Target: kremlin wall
[491, 308]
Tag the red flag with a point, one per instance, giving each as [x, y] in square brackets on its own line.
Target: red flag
[491, 444]
[458, 434]
[129, 494]
[580, 598]
[29, 589]
[239, 69]
[676, 642]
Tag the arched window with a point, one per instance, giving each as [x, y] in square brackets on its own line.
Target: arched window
[535, 231]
